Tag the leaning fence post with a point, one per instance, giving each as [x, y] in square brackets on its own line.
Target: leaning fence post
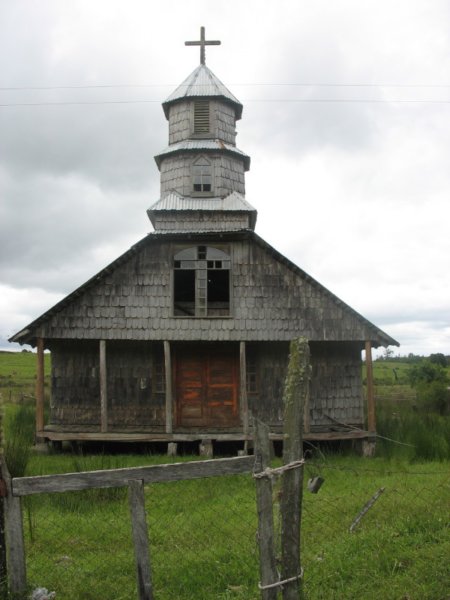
[266, 538]
[140, 539]
[295, 394]
[15, 546]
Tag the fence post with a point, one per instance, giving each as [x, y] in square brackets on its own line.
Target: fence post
[266, 537]
[15, 547]
[140, 539]
[295, 394]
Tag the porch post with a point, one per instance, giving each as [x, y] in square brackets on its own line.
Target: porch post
[103, 389]
[243, 389]
[40, 374]
[169, 395]
[371, 420]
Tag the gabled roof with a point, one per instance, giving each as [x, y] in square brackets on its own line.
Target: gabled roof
[202, 82]
[29, 334]
[203, 145]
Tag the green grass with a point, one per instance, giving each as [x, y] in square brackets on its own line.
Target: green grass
[18, 375]
[203, 533]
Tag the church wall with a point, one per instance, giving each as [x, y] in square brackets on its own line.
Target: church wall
[135, 385]
[222, 121]
[228, 174]
[336, 389]
[200, 221]
[268, 302]
[179, 122]
[75, 398]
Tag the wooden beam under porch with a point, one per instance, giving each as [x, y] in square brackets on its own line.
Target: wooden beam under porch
[97, 436]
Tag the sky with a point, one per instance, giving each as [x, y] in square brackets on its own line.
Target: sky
[346, 120]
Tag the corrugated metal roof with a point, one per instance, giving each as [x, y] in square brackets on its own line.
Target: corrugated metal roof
[174, 201]
[199, 145]
[202, 82]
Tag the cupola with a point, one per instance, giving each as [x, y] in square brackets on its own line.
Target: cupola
[202, 170]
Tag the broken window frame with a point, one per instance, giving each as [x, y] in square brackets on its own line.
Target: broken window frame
[206, 270]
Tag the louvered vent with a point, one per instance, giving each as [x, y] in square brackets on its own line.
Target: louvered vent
[201, 116]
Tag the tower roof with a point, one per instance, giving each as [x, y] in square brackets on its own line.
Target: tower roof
[202, 83]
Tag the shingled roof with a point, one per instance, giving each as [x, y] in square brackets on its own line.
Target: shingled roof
[202, 83]
[107, 306]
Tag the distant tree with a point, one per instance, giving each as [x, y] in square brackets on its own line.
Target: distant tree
[438, 359]
[432, 384]
[427, 372]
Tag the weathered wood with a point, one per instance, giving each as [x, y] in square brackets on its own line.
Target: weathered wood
[103, 388]
[23, 486]
[296, 390]
[169, 394]
[243, 391]
[206, 448]
[365, 509]
[266, 536]
[140, 539]
[40, 374]
[16, 565]
[371, 419]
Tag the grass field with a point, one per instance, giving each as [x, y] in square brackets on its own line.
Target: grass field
[203, 533]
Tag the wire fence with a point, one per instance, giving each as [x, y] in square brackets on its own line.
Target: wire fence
[203, 541]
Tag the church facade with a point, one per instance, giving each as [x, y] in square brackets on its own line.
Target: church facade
[186, 335]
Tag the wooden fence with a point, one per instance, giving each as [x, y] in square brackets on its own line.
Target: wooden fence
[134, 478]
[288, 582]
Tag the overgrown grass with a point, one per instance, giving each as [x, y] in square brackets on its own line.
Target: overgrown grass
[420, 435]
[19, 438]
[203, 534]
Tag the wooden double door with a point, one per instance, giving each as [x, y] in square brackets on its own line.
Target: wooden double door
[207, 386]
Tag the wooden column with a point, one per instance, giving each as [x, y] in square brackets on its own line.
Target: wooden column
[103, 389]
[40, 374]
[169, 395]
[371, 421]
[243, 390]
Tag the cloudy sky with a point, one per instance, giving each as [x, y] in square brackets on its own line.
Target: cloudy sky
[346, 119]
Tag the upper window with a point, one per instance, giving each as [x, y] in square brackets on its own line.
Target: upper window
[201, 116]
[201, 282]
[202, 176]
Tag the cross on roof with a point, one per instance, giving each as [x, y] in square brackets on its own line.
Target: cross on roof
[202, 43]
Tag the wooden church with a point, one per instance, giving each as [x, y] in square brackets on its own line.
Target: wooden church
[186, 335]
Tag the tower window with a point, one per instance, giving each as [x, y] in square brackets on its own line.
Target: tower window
[201, 282]
[201, 116]
[202, 175]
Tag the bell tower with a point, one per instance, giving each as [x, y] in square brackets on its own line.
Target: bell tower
[202, 170]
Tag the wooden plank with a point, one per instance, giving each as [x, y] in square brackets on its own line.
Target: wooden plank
[103, 388]
[23, 486]
[40, 374]
[139, 530]
[16, 565]
[190, 437]
[243, 388]
[296, 390]
[266, 536]
[169, 393]
[371, 419]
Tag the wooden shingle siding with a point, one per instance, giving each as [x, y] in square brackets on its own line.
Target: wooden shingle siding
[336, 389]
[75, 384]
[269, 302]
[228, 174]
